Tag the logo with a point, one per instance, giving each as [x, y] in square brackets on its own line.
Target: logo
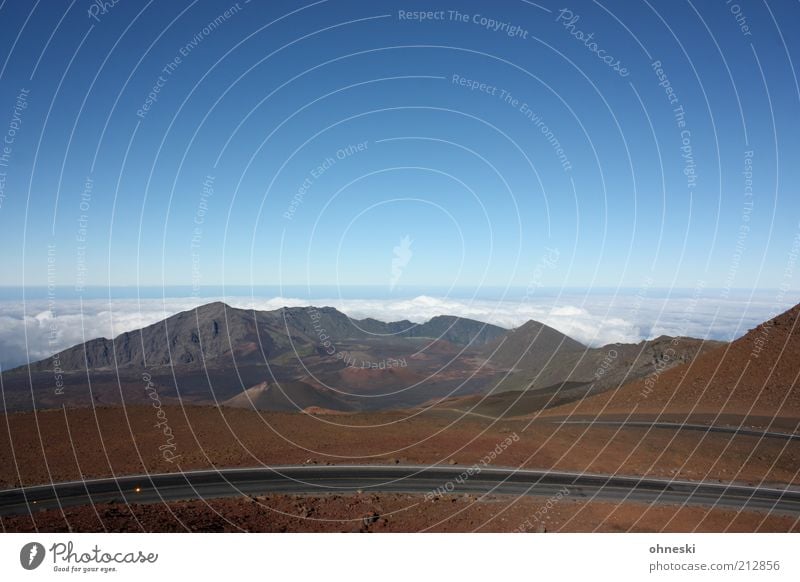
[31, 555]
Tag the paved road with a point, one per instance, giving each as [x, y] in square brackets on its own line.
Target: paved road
[318, 479]
[736, 430]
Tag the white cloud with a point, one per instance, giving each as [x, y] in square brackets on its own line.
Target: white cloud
[30, 331]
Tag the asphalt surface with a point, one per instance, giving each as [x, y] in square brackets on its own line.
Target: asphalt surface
[320, 479]
[735, 430]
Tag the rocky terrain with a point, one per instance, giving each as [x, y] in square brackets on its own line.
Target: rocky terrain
[376, 513]
[65, 445]
[319, 358]
[650, 426]
[755, 375]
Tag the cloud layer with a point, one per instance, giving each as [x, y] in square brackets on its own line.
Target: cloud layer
[31, 331]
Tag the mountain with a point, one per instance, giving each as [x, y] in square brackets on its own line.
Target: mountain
[541, 357]
[458, 330]
[556, 370]
[217, 334]
[756, 375]
[205, 333]
[530, 346]
[547, 369]
[318, 357]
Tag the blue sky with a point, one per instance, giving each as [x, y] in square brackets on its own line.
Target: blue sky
[299, 144]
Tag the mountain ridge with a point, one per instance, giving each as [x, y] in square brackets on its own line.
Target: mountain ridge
[216, 330]
[215, 354]
[756, 374]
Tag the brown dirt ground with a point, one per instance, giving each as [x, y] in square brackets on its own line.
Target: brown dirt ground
[65, 445]
[755, 375]
[397, 513]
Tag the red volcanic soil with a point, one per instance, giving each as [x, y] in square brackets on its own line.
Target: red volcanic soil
[286, 396]
[755, 375]
[322, 411]
[372, 380]
[63, 445]
[397, 513]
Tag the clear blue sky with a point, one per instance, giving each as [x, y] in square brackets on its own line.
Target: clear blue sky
[263, 95]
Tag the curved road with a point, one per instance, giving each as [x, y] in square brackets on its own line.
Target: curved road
[707, 428]
[318, 479]
[735, 430]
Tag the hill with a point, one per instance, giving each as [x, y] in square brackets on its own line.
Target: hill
[218, 334]
[754, 375]
[541, 357]
[216, 354]
[287, 397]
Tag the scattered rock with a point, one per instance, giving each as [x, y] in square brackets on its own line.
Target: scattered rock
[370, 519]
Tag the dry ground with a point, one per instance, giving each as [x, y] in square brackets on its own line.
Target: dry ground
[398, 513]
[63, 445]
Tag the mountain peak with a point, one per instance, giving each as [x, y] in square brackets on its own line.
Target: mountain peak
[217, 330]
[215, 307]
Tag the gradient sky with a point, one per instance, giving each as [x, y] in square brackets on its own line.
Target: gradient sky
[261, 99]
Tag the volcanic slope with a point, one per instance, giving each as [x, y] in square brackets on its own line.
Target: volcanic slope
[217, 331]
[756, 375]
[214, 353]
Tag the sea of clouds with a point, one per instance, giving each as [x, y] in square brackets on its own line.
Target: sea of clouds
[31, 330]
